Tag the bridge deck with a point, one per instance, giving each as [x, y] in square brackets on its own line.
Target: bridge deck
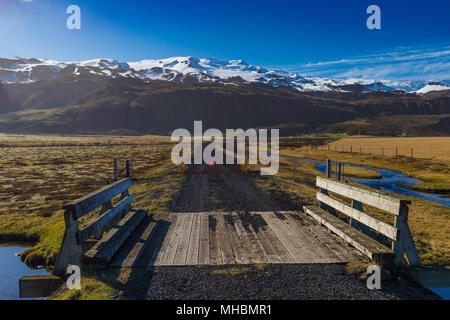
[210, 238]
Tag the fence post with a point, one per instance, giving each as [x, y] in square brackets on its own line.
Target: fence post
[382, 151]
[412, 153]
[396, 152]
[325, 192]
[351, 149]
[127, 168]
[328, 168]
[339, 172]
[132, 167]
[336, 170]
[115, 168]
[294, 168]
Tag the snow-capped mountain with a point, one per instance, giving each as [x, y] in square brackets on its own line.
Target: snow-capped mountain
[190, 69]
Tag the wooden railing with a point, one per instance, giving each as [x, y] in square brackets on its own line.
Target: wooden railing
[398, 234]
[128, 169]
[71, 251]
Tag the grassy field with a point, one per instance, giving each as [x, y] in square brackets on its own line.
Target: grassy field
[432, 148]
[431, 162]
[41, 173]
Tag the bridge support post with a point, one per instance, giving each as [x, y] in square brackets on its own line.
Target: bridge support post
[405, 244]
[71, 250]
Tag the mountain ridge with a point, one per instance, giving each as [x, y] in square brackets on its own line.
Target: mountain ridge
[194, 70]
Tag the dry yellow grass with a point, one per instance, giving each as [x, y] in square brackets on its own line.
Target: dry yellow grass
[433, 148]
[24, 140]
[431, 162]
[38, 174]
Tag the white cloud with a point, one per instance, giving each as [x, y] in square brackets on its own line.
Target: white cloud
[401, 63]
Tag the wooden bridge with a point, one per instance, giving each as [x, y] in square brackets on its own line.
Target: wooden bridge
[120, 236]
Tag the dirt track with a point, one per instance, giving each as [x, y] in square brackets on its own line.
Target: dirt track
[221, 188]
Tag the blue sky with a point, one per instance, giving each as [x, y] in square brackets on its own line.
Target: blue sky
[324, 38]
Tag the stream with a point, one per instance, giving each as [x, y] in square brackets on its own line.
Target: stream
[390, 181]
[11, 270]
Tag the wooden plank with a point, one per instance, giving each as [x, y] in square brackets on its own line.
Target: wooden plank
[322, 237]
[259, 225]
[323, 254]
[203, 250]
[215, 255]
[380, 226]
[280, 233]
[155, 243]
[302, 252]
[183, 246]
[371, 198]
[138, 250]
[280, 250]
[95, 199]
[131, 251]
[238, 225]
[194, 241]
[99, 224]
[247, 251]
[291, 233]
[224, 241]
[258, 252]
[103, 251]
[236, 246]
[175, 236]
[261, 255]
[360, 241]
[172, 219]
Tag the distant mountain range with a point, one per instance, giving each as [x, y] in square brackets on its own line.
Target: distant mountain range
[193, 70]
[158, 96]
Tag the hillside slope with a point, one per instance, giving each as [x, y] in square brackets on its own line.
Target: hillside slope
[135, 106]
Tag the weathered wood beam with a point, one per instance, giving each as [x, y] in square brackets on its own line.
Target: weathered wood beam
[99, 224]
[371, 248]
[372, 198]
[375, 224]
[84, 205]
